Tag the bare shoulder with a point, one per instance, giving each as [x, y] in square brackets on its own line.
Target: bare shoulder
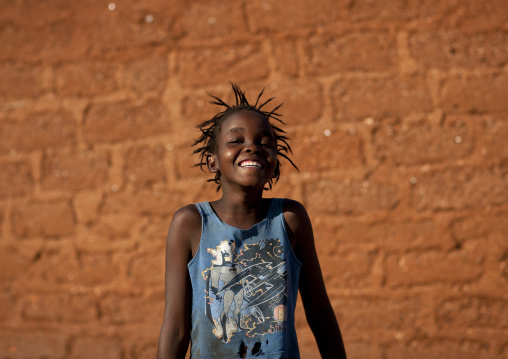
[295, 214]
[298, 226]
[185, 227]
[187, 216]
[293, 206]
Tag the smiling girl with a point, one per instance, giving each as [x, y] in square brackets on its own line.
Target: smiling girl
[234, 266]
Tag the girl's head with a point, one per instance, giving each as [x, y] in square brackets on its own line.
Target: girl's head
[211, 129]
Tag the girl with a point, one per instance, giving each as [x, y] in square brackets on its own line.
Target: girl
[234, 266]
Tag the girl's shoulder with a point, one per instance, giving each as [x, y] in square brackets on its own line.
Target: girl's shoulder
[293, 209]
[187, 215]
[185, 228]
[298, 225]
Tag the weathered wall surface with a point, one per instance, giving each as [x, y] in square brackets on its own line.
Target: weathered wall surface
[398, 116]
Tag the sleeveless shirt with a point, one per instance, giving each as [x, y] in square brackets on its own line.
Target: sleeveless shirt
[244, 289]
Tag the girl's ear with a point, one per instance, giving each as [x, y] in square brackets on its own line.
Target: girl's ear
[211, 163]
[276, 172]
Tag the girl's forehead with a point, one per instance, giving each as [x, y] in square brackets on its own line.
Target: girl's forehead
[246, 120]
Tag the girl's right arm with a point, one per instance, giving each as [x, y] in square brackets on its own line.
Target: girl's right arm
[182, 241]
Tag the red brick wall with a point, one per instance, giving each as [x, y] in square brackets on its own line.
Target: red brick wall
[398, 114]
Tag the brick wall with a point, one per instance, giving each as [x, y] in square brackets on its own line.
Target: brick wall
[398, 116]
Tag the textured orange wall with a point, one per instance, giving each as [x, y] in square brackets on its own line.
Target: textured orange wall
[397, 111]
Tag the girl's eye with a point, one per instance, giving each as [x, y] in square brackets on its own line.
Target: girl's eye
[268, 144]
[235, 140]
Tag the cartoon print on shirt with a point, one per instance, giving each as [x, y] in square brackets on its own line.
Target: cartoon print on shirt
[246, 289]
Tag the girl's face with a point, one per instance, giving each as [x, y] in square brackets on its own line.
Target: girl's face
[246, 152]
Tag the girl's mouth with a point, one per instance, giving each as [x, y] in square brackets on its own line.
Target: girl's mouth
[251, 164]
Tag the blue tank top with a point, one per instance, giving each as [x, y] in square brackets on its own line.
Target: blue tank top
[244, 289]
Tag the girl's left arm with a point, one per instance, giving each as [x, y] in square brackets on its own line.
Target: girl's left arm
[318, 310]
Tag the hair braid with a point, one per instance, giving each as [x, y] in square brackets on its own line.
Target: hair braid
[211, 128]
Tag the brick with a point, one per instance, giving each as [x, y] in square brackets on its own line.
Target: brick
[287, 58]
[459, 188]
[145, 75]
[438, 347]
[286, 187]
[363, 314]
[345, 197]
[470, 312]
[59, 307]
[184, 162]
[99, 348]
[480, 226]
[86, 205]
[7, 309]
[20, 81]
[476, 93]
[34, 14]
[130, 26]
[485, 234]
[124, 121]
[358, 51]
[273, 15]
[473, 15]
[398, 10]
[452, 49]
[238, 63]
[85, 79]
[38, 131]
[74, 170]
[345, 268]
[25, 344]
[148, 268]
[146, 201]
[90, 8]
[94, 265]
[144, 165]
[16, 179]
[196, 109]
[207, 21]
[156, 229]
[117, 309]
[395, 236]
[62, 257]
[118, 225]
[35, 44]
[339, 149]
[496, 272]
[13, 263]
[45, 219]
[361, 350]
[296, 98]
[147, 351]
[492, 133]
[432, 267]
[424, 141]
[355, 99]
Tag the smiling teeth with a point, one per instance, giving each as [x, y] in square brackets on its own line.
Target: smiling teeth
[250, 164]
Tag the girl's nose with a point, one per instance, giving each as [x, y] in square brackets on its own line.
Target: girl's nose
[252, 148]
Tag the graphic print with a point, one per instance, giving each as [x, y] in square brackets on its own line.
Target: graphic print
[246, 291]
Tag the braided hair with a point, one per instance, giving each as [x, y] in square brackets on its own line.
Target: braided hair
[211, 128]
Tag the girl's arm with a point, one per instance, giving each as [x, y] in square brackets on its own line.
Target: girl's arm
[318, 310]
[184, 230]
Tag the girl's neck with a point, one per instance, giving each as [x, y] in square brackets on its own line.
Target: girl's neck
[241, 210]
